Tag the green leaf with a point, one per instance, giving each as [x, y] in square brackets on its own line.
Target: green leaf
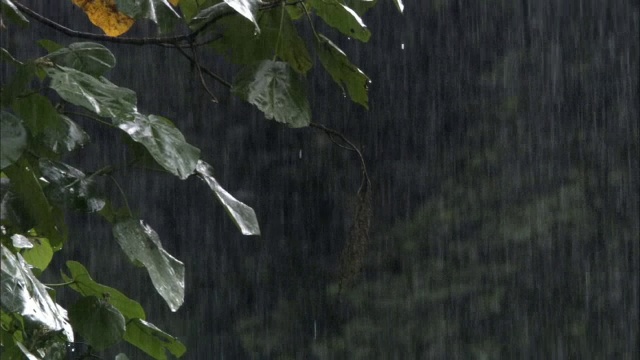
[360, 6]
[159, 11]
[153, 341]
[57, 132]
[86, 286]
[24, 294]
[141, 243]
[97, 321]
[247, 8]
[199, 14]
[5, 56]
[18, 84]
[49, 45]
[243, 46]
[191, 8]
[163, 141]
[13, 139]
[12, 12]
[90, 58]
[342, 71]
[47, 219]
[70, 186]
[243, 216]
[95, 94]
[276, 90]
[341, 17]
[399, 5]
[40, 254]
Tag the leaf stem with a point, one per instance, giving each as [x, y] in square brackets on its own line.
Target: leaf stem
[124, 196]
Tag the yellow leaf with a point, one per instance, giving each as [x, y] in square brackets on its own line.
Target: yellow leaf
[174, 2]
[105, 15]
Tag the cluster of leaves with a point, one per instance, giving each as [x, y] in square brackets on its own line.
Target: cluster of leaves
[37, 186]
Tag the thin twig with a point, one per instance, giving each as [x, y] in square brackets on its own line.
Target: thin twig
[202, 80]
[205, 70]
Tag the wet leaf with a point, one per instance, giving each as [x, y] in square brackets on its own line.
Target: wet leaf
[105, 15]
[360, 6]
[276, 90]
[159, 11]
[90, 58]
[153, 341]
[342, 18]
[13, 139]
[142, 244]
[98, 95]
[199, 13]
[70, 186]
[57, 132]
[342, 71]
[24, 294]
[11, 11]
[242, 215]
[243, 46]
[399, 5]
[163, 141]
[47, 219]
[86, 286]
[20, 242]
[99, 323]
[246, 8]
[49, 45]
[39, 255]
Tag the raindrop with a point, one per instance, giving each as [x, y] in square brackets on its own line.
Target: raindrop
[300, 154]
[402, 46]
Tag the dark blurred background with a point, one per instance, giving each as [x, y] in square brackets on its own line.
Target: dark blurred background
[502, 144]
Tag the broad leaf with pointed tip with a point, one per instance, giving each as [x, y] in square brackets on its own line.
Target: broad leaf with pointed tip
[91, 58]
[13, 139]
[342, 71]
[341, 17]
[153, 341]
[99, 323]
[24, 294]
[54, 130]
[246, 8]
[82, 282]
[95, 94]
[275, 89]
[142, 244]
[242, 215]
[163, 141]
[12, 12]
[160, 12]
[70, 186]
[39, 255]
[239, 42]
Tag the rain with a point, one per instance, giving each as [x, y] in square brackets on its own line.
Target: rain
[502, 148]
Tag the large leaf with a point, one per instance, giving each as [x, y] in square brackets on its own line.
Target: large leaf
[88, 57]
[70, 186]
[105, 15]
[153, 341]
[47, 219]
[97, 95]
[159, 11]
[86, 286]
[163, 141]
[342, 18]
[246, 8]
[97, 321]
[142, 244]
[277, 90]
[243, 216]
[12, 12]
[342, 71]
[57, 132]
[24, 294]
[13, 139]
[243, 46]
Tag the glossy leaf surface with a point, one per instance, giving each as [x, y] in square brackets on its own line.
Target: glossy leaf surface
[341, 17]
[24, 294]
[275, 89]
[153, 341]
[160, 12]
[70, 186]
[242, 215]
[142, 244]
[88, 57]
